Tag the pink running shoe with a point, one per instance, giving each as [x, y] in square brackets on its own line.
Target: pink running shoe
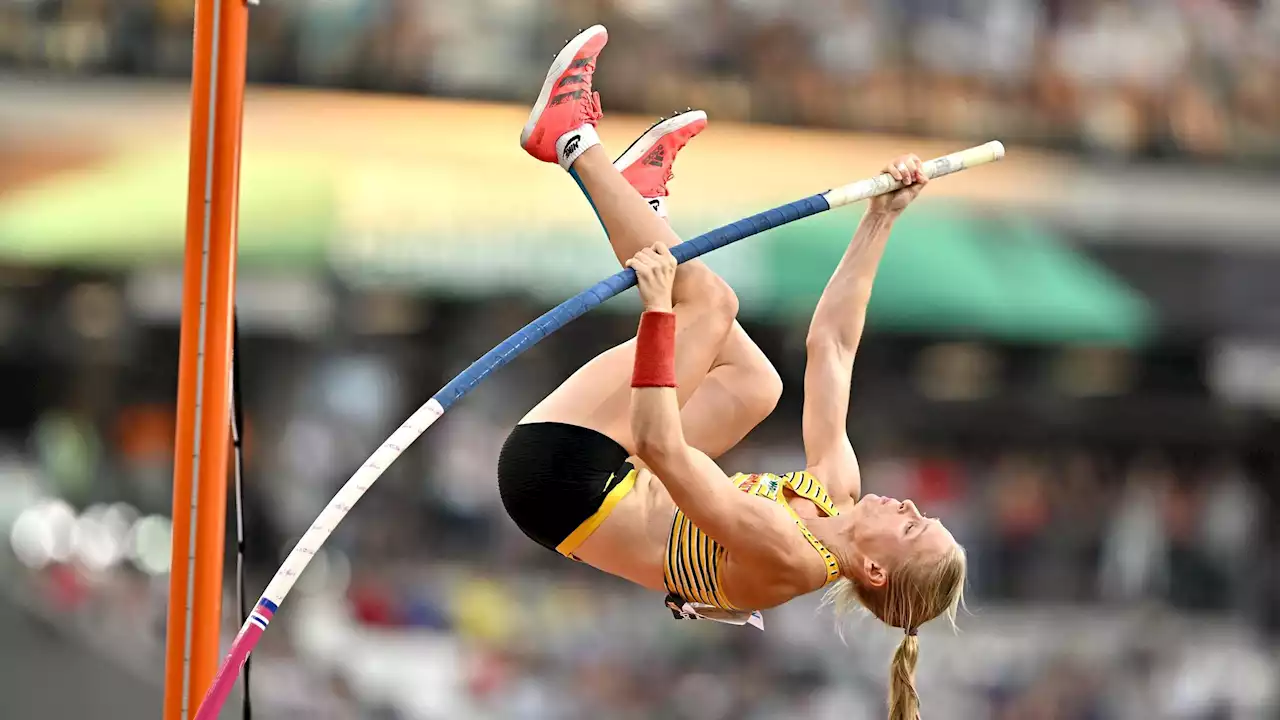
[648, 163]
[567, 103]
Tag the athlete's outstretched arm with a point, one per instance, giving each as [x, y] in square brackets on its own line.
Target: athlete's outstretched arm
[836, 330]
[697, 485]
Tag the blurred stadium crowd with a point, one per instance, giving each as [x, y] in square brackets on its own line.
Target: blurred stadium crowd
[1114, 77]
[1120, 569]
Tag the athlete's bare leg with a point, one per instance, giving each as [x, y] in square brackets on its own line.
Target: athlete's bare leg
[736, 395]
[561, 130]
[598, 396]
[740, 388]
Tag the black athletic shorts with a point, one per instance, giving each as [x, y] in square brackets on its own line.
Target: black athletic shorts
[559, 482]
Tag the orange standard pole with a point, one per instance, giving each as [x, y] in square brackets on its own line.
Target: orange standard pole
[202, 444]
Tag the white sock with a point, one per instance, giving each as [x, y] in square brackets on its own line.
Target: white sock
[659, 205]
[572, 144]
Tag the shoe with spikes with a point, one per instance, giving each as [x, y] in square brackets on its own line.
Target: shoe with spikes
[562, 122]
[647, 164]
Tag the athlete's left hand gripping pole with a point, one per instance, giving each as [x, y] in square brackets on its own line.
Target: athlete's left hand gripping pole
[512, 347]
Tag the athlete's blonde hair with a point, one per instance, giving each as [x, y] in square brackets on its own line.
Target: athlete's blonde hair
[912, 595]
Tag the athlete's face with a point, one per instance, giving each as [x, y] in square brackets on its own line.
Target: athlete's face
[889, 532]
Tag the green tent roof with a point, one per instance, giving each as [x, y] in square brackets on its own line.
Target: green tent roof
[948, 270]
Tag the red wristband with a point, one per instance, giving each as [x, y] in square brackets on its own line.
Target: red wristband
[655, 364]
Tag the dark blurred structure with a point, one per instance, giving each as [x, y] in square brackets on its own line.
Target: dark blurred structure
[1086, 392]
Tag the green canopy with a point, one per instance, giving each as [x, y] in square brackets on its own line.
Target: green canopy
[133, 211]
[945, 270]
[948, 270]
[1060, 292]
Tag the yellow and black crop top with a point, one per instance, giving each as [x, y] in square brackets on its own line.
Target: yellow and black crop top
[693, 559]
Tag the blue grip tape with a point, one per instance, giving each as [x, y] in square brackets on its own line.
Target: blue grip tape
[579, 304]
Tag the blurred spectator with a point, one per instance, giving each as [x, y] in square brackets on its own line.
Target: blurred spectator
[1195, 78]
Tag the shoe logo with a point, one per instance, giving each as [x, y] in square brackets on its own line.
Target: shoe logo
[569, 80]
[609, 482]
[656, 157]
[565, 97]
[654, 204]
[572, 145]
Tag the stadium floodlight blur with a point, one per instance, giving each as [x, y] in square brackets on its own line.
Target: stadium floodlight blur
[95, 540]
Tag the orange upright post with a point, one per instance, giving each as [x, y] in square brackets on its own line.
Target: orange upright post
[202, 445]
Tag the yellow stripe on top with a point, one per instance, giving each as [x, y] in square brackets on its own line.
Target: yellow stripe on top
[588, 526]
[692, 568]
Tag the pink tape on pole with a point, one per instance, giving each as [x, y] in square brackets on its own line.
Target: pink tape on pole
[244, 643]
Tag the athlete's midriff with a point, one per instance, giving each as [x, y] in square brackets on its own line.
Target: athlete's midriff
[632, 542]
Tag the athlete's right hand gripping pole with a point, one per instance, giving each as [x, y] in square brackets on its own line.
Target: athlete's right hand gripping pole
[936, 168]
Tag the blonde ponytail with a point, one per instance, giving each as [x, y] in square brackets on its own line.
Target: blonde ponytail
[904, 701]
[911, 596]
